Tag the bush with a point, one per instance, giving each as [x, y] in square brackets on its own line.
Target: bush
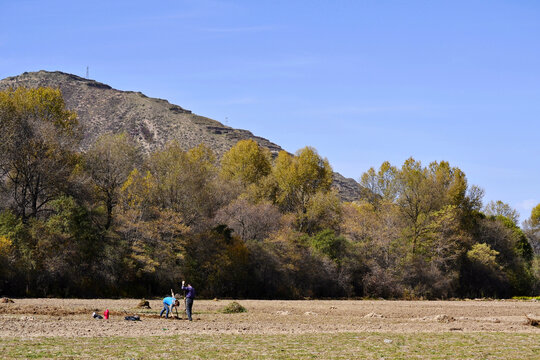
[526, 298]
[233, 308]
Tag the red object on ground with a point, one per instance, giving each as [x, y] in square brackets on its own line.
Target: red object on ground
[106, 314]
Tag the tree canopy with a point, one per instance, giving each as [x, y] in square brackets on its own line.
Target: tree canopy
[114, 221]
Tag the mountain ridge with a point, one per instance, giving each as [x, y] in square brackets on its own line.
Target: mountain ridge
[152, 122]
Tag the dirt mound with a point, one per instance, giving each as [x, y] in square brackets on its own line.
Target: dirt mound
[443, 318]
[144, 304]
[373, 315]
[532, 320]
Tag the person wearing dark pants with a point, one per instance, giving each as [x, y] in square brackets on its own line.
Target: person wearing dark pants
[190, 296]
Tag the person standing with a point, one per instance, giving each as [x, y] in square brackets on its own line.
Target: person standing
[168, 303]
[190, 296]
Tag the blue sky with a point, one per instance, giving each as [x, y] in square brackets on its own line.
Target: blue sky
[361, 81]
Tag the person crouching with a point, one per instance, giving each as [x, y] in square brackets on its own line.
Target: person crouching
[168, 304]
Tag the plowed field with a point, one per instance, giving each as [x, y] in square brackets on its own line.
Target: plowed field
[28, 318]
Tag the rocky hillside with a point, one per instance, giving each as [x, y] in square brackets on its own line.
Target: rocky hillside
[152, 122]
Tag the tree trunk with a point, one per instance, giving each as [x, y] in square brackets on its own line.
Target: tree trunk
[110, 206]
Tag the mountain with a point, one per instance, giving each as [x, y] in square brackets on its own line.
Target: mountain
[150, 121]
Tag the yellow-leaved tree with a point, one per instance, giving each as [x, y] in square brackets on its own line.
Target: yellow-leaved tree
[298, 178]
[246, 162]
[38, 141]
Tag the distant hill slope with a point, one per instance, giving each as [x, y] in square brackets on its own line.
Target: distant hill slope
[150, 121]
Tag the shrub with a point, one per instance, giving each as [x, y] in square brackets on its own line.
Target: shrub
[233, 308]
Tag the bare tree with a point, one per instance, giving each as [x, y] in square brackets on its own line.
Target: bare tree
[250, 221]
[109, 162]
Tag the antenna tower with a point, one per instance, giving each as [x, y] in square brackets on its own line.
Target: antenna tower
[87, 68]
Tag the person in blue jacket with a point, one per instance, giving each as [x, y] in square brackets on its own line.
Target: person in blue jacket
[168, 304]
[190, 296]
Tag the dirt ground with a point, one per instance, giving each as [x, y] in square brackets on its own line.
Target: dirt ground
[28, 318]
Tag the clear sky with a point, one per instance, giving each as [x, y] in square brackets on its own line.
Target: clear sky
[361, 81]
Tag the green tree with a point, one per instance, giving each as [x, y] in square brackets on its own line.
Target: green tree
[535, 215]
[521, 244]
[413, 235]
[329, 244]
[433, 270]
[67, 241]
[17, 254]
[531, 227]
[484, 255]
[415, 199]
[483, 275]
[515, 255]
[424, 191]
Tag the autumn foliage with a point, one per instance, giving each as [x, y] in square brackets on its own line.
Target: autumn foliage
[115, 221]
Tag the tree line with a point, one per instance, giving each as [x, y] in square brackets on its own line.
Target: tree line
[115, 221]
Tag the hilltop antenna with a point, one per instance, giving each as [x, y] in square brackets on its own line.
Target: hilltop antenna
[87, 68]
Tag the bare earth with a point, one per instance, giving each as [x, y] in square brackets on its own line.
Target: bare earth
[27, 318]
